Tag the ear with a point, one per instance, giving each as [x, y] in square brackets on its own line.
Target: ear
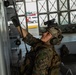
[54, 41]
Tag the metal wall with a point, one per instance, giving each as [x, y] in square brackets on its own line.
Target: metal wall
[4, 43]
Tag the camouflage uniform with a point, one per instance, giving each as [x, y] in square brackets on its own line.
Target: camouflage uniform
[46, 61]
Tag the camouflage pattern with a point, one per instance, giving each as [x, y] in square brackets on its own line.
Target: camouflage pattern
[55, 31]
[46, 61]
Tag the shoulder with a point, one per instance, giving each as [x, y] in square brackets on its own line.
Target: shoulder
[43, 48]
[44, 52]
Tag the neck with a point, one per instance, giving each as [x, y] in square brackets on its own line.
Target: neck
[43, 40]
[46, 42]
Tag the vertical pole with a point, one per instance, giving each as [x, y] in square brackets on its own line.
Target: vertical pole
[58, 11]
[68, 12]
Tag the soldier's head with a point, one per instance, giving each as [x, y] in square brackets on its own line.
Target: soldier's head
[52, 34]
[56, 35]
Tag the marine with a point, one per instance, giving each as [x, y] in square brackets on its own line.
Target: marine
[42, 59]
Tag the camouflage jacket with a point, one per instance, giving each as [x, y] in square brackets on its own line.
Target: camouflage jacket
[46, 60]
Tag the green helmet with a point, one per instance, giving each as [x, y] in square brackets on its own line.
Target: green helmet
[56, 33]
[53, 28]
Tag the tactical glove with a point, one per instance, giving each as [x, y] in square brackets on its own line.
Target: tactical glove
[15, 21]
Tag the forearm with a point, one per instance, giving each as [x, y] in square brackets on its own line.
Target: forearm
[16, 23]
[22, 31]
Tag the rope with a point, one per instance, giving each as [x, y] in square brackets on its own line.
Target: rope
[19, 23]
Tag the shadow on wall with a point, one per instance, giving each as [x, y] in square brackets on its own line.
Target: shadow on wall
[70, 45]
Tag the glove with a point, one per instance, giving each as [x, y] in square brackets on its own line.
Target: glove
[15, 21]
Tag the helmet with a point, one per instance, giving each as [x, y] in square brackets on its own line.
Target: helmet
[56, 33]
[54, 29]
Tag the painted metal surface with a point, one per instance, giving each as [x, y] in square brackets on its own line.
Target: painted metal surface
[4, 43]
